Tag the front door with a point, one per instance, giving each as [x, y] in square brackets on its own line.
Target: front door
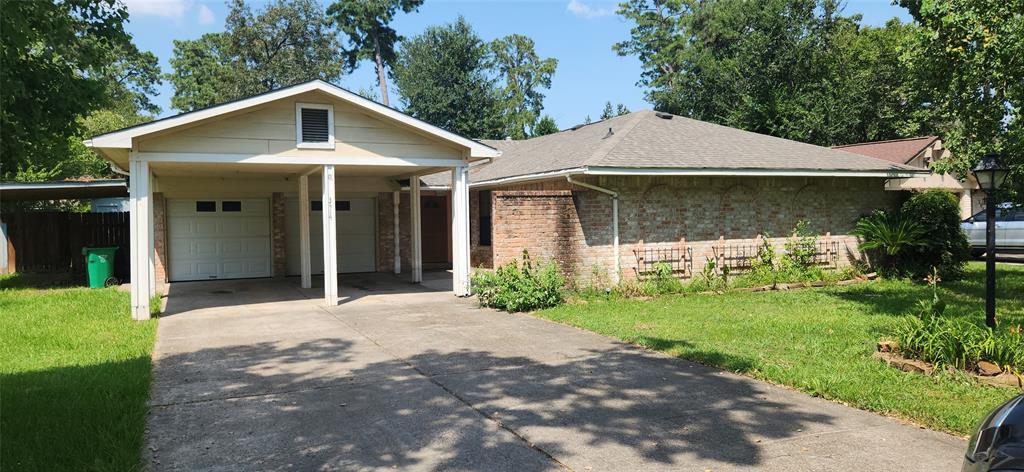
[434, 226]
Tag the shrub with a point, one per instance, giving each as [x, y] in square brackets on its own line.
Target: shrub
[891, 236]
[937, 213]
[800, 248]
[709, 279]
[664, 281]
[958, 343]
[516, 288]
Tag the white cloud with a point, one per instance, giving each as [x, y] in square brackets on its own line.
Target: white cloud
[206, 15]
[162, 8]
[583, 10]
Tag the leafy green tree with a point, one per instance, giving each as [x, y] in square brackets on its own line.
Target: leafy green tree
[59, 62]
[797, 69]
[612, 112]
[525, 73]
[545, 126]
[969, 54]
[370, 36]
[442, 77]
[287, 42]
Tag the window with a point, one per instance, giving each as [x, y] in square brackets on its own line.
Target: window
[485, 217]
[205, 206]
[231, 205]
[316, 205]
[342, 205]
[314, 126]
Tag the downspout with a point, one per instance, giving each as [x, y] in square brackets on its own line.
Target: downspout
[615, 220]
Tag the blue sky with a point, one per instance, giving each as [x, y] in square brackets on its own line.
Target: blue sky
[579, 33]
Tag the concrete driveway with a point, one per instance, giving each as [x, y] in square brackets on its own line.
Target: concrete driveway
[257, 375]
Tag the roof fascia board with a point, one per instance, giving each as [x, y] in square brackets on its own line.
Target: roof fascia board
[199, 158]
[60, 185]
[527, 177]
[123, 138]
[895, 173]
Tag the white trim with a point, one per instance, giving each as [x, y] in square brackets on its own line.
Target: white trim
[305, 259]
[60, 185]
[299, 143]
[123, 138]
[655, 171]
[330, 235]
[214, 158]
[529, 177]
[416, 231]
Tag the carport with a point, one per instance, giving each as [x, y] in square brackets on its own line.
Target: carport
[209, 189]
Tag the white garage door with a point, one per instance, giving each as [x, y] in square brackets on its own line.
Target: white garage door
[218, 239]
[357, 235]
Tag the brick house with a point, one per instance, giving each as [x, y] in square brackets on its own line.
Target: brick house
[685, 191]
[233, 191]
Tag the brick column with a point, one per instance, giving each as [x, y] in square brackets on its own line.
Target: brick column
[279, 247]
[160, 237]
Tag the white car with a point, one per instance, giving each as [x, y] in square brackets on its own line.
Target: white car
[1009, 230]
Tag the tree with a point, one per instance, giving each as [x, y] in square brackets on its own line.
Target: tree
[545, 126]
[969, 54]
[525, 73]
[796, 69]
[55, 67]
[367, 24]
[610, 112]
[443, 79]
[288, 42]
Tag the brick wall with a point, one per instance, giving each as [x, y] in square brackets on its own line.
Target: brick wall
[278, 244]
[572, 225]
[160, 237]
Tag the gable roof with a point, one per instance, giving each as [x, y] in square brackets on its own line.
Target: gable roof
[900, 151]
[123, 138]
[648, 142]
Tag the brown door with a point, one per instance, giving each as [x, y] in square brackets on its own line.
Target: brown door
[434, 226]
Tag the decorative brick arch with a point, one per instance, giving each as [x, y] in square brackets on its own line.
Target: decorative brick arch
[661, 215]
[811, 205]
[739, 215]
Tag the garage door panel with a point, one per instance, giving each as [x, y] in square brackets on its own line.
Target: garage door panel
[219, 244]
[357, 241]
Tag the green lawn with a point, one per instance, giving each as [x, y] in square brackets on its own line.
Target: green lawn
[75, 378]
[817, 340]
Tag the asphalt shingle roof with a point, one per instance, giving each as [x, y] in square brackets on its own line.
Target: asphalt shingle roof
[648, 139]
[900, 151]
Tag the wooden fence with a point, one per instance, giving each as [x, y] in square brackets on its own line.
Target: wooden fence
[53, 241]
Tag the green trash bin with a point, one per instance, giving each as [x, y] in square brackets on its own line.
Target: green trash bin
[99, 264]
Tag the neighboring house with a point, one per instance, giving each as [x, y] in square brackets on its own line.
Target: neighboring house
[921, 153]
[224, 192]
[686, 191]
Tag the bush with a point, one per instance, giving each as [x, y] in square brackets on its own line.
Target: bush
[664, 281]
[937, 213]
[516, 288]
[892, 237]
[958, 343]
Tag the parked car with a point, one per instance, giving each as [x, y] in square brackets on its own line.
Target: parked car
[1009, 229]
[998, 443]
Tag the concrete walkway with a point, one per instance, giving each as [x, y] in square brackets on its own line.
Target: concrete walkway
[257, 375]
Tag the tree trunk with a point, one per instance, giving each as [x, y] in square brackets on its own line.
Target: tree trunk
[380, 72]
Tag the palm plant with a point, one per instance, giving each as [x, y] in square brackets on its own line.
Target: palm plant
[889, 233]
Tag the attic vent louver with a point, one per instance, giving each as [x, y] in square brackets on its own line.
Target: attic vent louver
[662, 115]
[314, 126]
[610, 133]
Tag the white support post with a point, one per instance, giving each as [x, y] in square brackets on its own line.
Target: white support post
[305, 259]
[140, 255]
[416, 230]
[397, 201]
[152, 240]
[460, 231]
[330, 238]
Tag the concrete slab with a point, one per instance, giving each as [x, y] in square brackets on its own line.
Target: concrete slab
[258, 375]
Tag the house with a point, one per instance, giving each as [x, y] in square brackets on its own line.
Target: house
[921, 153]
[225, 192]
[610, 199]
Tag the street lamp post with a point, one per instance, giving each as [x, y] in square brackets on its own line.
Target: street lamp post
[990, 174]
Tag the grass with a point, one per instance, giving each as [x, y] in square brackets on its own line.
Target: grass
[819, 341]
[75, 377]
